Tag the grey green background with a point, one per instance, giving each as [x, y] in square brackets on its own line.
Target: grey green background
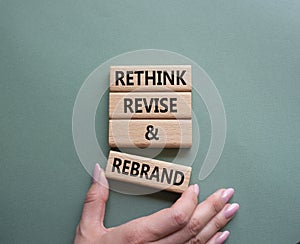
[251, 50]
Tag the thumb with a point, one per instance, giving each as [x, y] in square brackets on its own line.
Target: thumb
[94, 205]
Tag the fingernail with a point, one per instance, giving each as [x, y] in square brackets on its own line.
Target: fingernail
[227, 194]
[222, 237]
[103, 180]
[231, 210]
[96, 173]
[196, 189]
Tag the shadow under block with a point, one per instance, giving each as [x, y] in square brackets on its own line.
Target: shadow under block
[148, 172]
[150, 133]
[151, 78]
[150, 105]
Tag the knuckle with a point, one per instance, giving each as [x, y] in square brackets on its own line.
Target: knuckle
[179, 217]
[219, 223]
[216, 204]
[91, 196]
[134, 237]
[197, 240]
[194, 226]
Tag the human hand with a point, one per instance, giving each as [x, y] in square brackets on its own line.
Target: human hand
[185, 221]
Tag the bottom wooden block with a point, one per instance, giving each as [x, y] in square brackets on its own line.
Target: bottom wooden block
[148, 172]
[150, 133]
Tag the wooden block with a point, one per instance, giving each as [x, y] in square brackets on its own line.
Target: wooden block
[150, 133]
[151, 78]
[152, 105]
[148, 172]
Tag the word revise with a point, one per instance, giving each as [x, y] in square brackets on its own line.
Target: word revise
[150, 105]
[150, 78]
[147, 172]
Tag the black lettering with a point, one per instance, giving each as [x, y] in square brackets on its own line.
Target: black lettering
[166, 76]
[164, 105]
[155, 174]
[138, 72]
[119, 78]
[134, 169]
[128, 105]
[156, 105]
[138, 105]
[148, 107]
[179, 77]
[129, 77]
[116, 165]
[159, 77]
[166, 175]
[152, 77]
[177, 182]
[125, 167]
[147, 78]
[144, 171]
[173, 105]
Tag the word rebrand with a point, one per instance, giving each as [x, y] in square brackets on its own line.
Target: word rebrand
[147, 172]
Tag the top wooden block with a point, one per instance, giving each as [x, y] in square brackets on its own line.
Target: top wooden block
[151, 78]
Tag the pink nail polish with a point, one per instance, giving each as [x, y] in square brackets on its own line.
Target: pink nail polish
[227, 194]
[103, 180]
[96, 173]
[222, 237]
[231, 210]
[196, 189]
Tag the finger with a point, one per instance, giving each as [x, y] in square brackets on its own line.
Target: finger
[95, 201]
[219, 238]
[164, 222]
[202, 215]
[217, 223]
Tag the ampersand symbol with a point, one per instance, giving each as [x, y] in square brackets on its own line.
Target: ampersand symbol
[151, 133]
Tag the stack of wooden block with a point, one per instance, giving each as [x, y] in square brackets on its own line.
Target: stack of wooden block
[150, 106]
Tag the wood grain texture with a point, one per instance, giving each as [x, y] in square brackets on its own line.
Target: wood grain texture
[148, 172]
[152, 105]
[132, 133]
[138, 79]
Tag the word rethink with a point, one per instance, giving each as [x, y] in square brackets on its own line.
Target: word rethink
[150, 78]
